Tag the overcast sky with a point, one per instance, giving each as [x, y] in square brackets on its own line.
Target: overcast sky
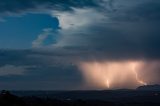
[42, 41]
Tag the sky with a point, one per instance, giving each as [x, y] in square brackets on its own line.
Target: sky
[79, 44]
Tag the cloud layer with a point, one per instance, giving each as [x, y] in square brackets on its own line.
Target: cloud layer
[89, 30]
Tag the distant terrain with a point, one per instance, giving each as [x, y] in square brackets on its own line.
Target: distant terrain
[150, 88]
[142, 96]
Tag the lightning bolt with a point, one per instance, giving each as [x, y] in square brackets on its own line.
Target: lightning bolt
[136, 75]
[108, 84]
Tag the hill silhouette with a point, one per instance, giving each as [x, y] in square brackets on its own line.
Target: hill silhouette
[81, 98]
[155, 87]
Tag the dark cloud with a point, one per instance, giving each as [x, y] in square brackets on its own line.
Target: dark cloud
[16, 7]
[145, 11]
[129, 30]
[20, 68]
[127, 33]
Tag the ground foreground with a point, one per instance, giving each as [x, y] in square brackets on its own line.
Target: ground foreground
[80, 98]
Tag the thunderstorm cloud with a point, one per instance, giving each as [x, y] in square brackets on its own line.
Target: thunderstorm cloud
[88, 30]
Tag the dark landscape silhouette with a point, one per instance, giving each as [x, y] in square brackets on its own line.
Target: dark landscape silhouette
[142, 96]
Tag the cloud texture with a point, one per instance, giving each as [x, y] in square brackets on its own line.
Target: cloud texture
[91, 30]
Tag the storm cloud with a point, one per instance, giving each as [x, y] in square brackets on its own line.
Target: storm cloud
[125, 29]
[114, 28]
[89, 30]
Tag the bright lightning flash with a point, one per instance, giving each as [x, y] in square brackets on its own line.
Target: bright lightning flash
[108, 84]
[136, 74]
[121, 74]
